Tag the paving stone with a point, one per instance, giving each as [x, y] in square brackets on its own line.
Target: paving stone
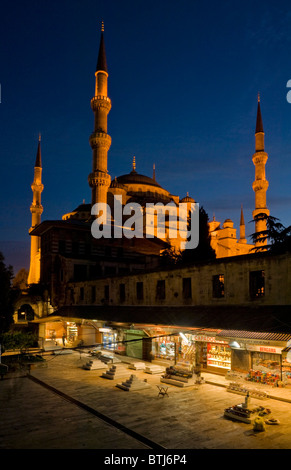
[34, 417]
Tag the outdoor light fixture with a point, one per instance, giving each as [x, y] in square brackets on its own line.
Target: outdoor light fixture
[184, 337]
[234, 344]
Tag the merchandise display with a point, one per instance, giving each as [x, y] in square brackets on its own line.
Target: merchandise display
[177, 376]
[166, 350]
[187, 353]
[218, 356]
[245, 412]
[263, 377]
[235, 387]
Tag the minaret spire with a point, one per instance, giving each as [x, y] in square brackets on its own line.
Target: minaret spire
[242, 227]
[102, 62]
[259, 123]
[36, 210]
[38, 154]
[260, 185]
[100, 140]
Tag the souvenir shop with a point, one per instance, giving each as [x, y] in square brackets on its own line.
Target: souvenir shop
[189, 350]
[211, 353]
[267, 365]
[267, 362]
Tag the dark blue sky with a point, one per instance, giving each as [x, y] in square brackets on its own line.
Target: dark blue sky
[183, 80]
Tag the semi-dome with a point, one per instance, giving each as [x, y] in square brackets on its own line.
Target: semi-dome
[116, 184]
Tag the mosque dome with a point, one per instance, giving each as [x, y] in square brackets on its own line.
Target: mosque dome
[228, 223]
[187, 199]
[136, 178]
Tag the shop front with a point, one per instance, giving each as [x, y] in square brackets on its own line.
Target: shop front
[266, 364]
[213, 354]
[260, 357]
[286, 364]
[138, 344]
[189, 350]
[165, 347]
[108, 338]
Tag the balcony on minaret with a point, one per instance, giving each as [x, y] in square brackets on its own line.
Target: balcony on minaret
[100, 101]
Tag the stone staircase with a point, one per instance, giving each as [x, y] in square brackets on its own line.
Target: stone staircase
[133, 383]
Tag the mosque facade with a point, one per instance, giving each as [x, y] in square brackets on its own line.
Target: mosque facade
[135, 188]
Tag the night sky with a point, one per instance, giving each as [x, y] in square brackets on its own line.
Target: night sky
[183, 79]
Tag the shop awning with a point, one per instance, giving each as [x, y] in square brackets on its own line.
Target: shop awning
[262, 319]
[255, 335]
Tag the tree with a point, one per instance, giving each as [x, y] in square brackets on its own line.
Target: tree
[204, 251]
[22, 340]
[20, 280]
[277, 236]
[7, 295]
[170, 257]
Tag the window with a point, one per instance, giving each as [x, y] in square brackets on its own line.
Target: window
[75, 248]
[139, 290]
[93, 294]
[80, 272]
[187, 288]
[106, 293]
[122, 292]
[257, 284]
[108, 252]
[161, 290]
[120, 252]
[218, 286]
[62, 246]
[81, 293]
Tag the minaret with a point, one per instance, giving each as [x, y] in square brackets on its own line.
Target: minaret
[36, 210]
[260, 185]
[100, 141]
[242, 228]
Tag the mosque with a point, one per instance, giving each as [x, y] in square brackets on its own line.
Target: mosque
[112, 291]
[53, 243]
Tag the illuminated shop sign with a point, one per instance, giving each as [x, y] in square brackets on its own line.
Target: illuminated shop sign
[208, 339]
[266, 349]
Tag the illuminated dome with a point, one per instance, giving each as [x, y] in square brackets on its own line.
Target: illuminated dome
[135, 178]
[187, 199]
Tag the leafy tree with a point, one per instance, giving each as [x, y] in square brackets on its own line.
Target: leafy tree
[204, 251]
[277, 236]
[7, 295]
[18, 340]
[170, 257]
[20, 280]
